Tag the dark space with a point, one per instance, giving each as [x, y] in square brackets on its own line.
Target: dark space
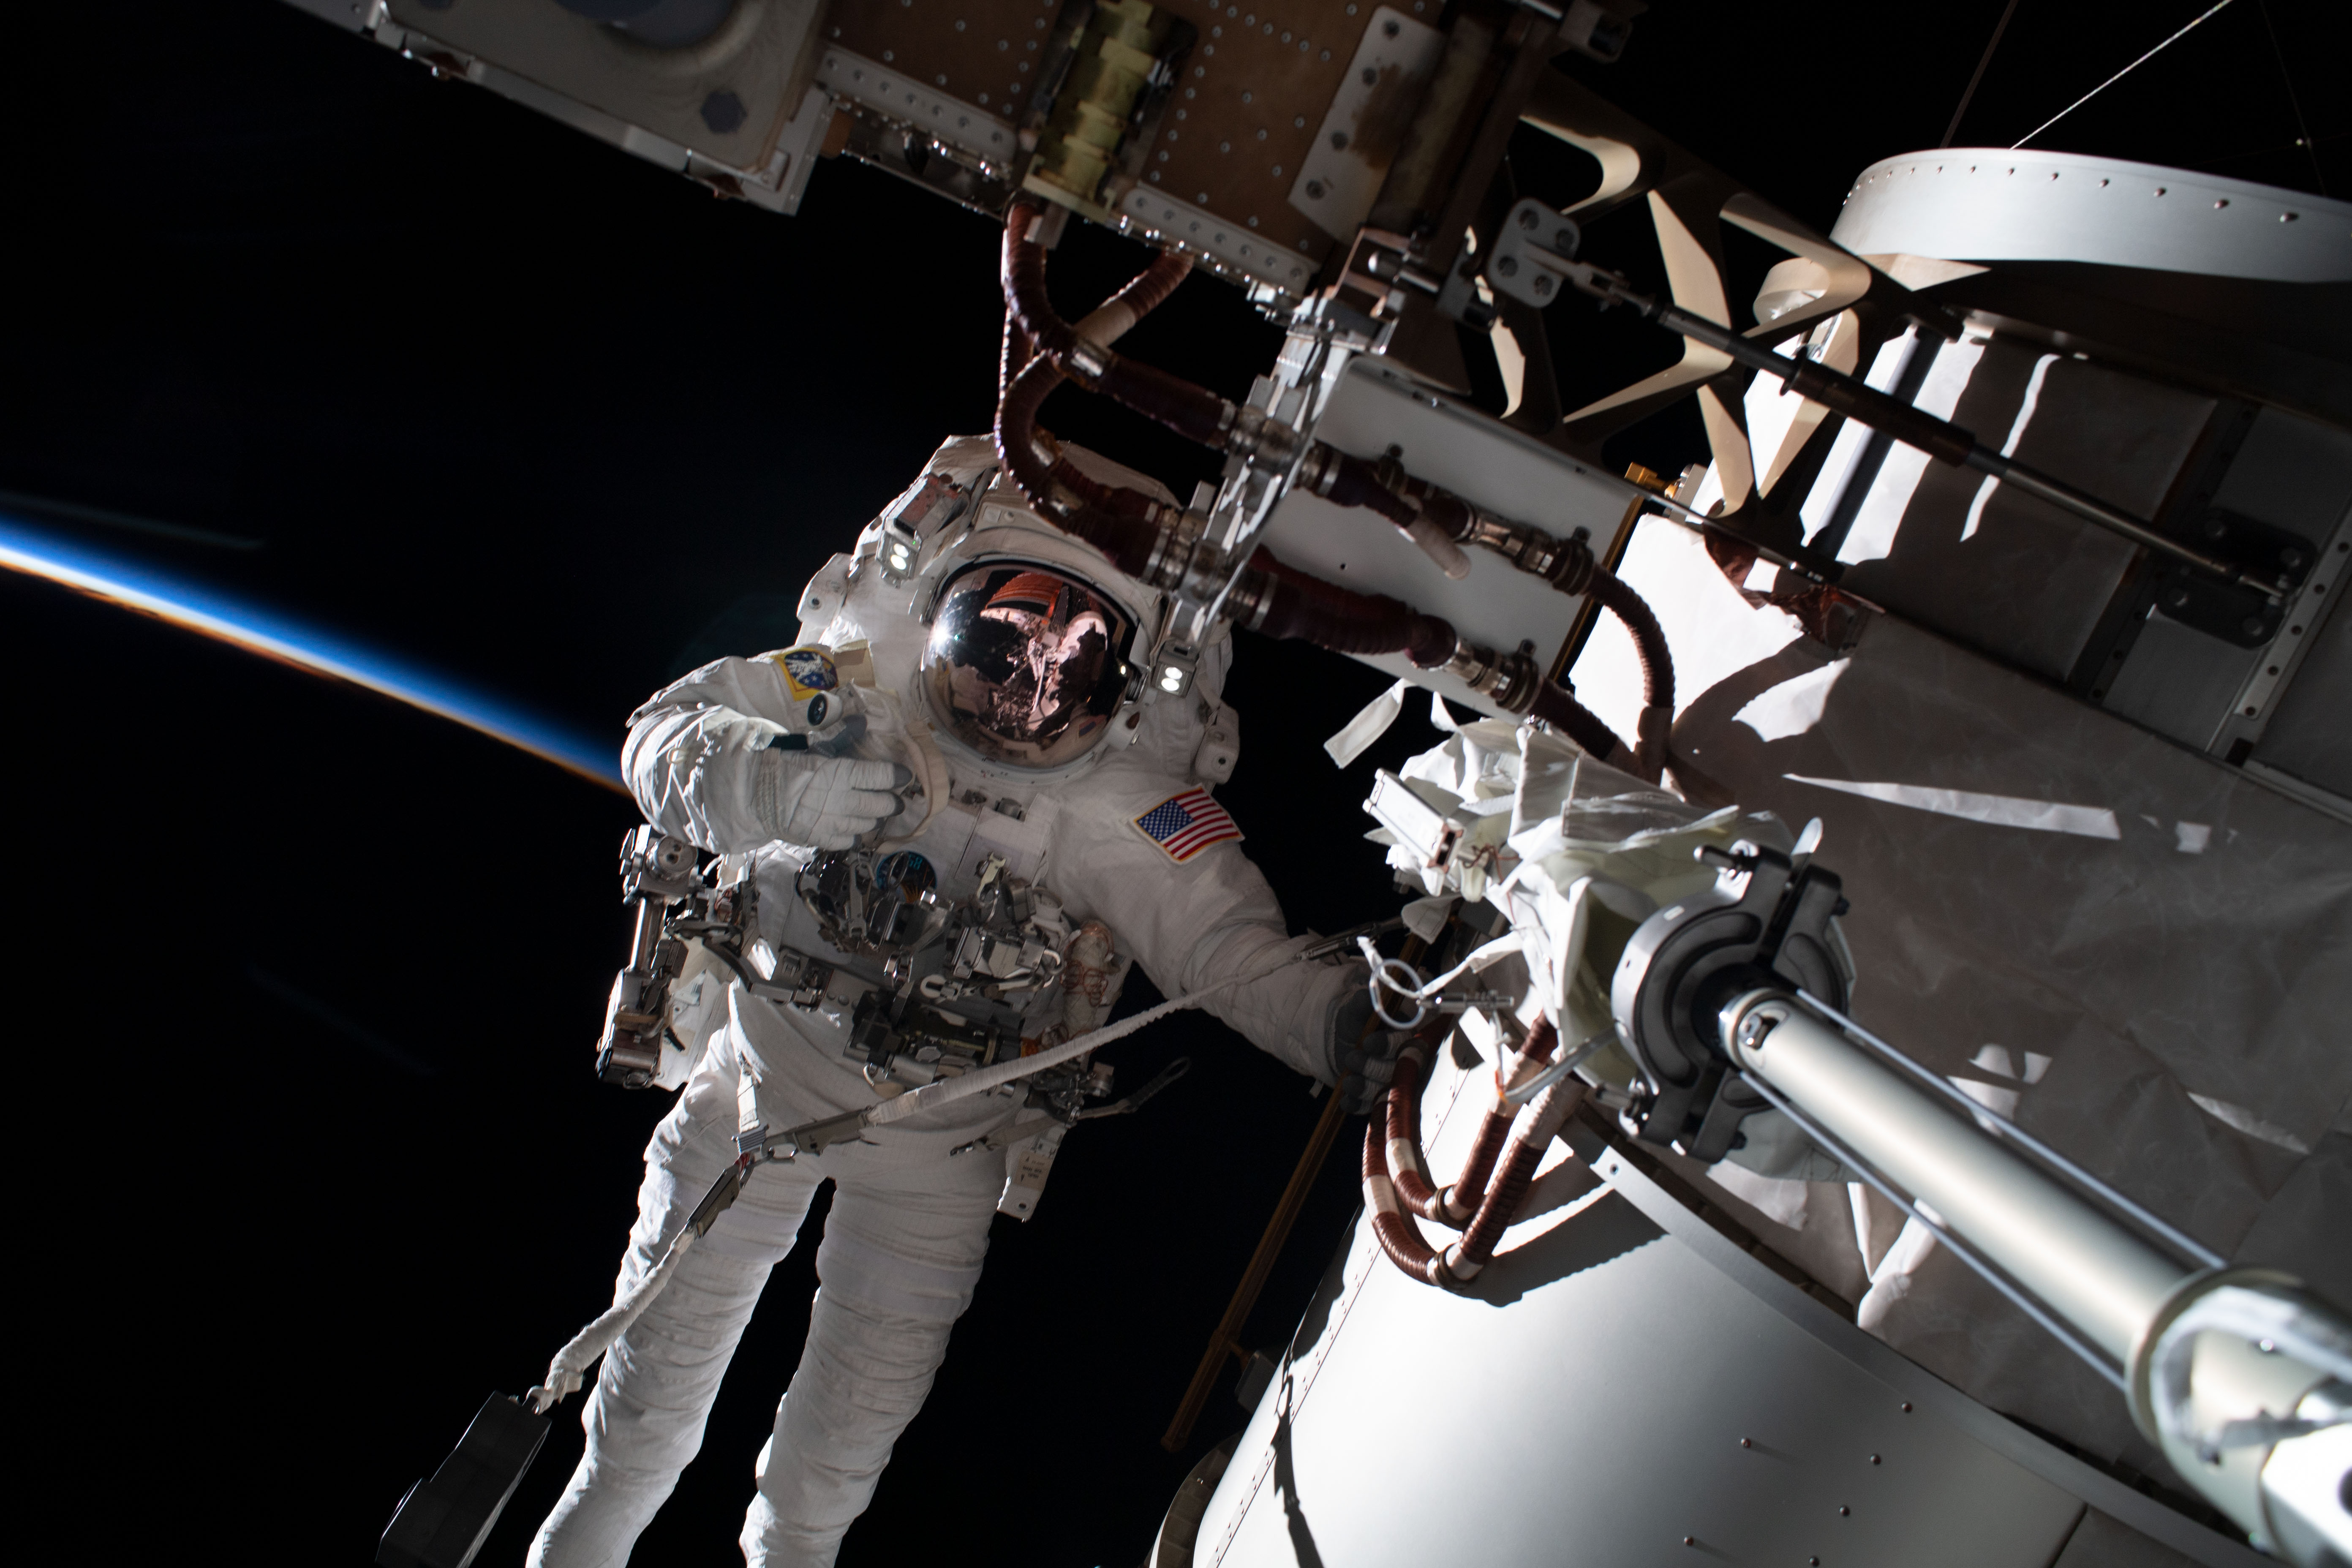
[504, 401]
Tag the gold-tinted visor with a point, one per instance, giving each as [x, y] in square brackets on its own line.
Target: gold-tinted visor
[1025, 663]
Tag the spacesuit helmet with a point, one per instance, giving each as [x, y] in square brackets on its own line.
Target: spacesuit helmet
[1027, 662]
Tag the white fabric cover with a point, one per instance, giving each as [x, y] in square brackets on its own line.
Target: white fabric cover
[910, 1224]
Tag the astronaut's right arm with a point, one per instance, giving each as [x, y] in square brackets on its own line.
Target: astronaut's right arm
[715, 759]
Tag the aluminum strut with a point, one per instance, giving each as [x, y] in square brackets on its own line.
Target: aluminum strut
[1865, 404]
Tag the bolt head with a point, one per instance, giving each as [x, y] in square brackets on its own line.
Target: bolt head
[1315, 190]
[1508, 265]
[1527, 220]
[1543, 285]
[2254, 625]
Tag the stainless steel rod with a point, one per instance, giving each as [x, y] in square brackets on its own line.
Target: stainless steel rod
[1960, 1248]
[1985, 461]
[1859, 401]
[2000, 1126]
[2089, 1269]
[1958, 447]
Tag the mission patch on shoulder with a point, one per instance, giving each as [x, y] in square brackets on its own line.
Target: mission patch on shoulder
[807, 669]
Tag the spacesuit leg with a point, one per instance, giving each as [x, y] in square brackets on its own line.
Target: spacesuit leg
[653, 1396]
[902, 1251]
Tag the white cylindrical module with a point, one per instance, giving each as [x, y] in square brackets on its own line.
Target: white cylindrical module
[2092, 1272]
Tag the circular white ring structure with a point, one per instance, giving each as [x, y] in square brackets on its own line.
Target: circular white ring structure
[1979, 204]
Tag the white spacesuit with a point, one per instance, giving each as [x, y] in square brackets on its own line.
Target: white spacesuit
[1003, 667]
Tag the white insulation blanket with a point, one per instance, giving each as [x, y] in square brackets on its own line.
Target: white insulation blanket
[2143, 956]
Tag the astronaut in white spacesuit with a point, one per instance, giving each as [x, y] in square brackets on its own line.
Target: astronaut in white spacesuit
[999, 670]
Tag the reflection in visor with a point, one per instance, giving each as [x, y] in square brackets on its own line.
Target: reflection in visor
[1024, 664]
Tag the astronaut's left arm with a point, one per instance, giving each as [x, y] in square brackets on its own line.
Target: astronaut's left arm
[1195, 923]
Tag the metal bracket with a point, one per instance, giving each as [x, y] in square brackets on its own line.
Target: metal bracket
[1134, 1102]
[809, 1138]
[1531, 256]
[2237, 614]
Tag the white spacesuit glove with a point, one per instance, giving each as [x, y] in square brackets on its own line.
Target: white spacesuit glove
[823, 802]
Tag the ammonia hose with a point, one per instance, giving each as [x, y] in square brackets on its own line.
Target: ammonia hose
[1392, 1229]
[1126, 538]
[1453, 1204]
[1508, 1192]
[1307, 608]
[1649, 639]
[1193, 412]
[1123, 523]
[1396, 1186]
[1130, 527]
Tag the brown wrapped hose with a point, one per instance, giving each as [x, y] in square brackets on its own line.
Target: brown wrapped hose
[1016, 352]
[1298, 605]
[1466, 1198]
[1403, 1122]
[1396, 1184]
[1649, 639]
[1558, 706]
[1023, 274]
[1454, 1204]
[1082, 352]
[1123, 523]
[1193, 412]
[1510, 1191]
[1144, 294]
[1127, 538]
[1390, 1228]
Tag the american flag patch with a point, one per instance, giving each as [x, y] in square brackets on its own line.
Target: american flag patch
[1184, 824]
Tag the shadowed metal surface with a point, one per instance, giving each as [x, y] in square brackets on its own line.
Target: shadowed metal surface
[1634, 1406]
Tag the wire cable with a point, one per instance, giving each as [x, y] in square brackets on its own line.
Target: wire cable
[1999, 28]
[2116, 78]
[2302, 128]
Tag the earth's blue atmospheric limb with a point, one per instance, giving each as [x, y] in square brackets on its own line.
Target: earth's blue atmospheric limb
[136, 586]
